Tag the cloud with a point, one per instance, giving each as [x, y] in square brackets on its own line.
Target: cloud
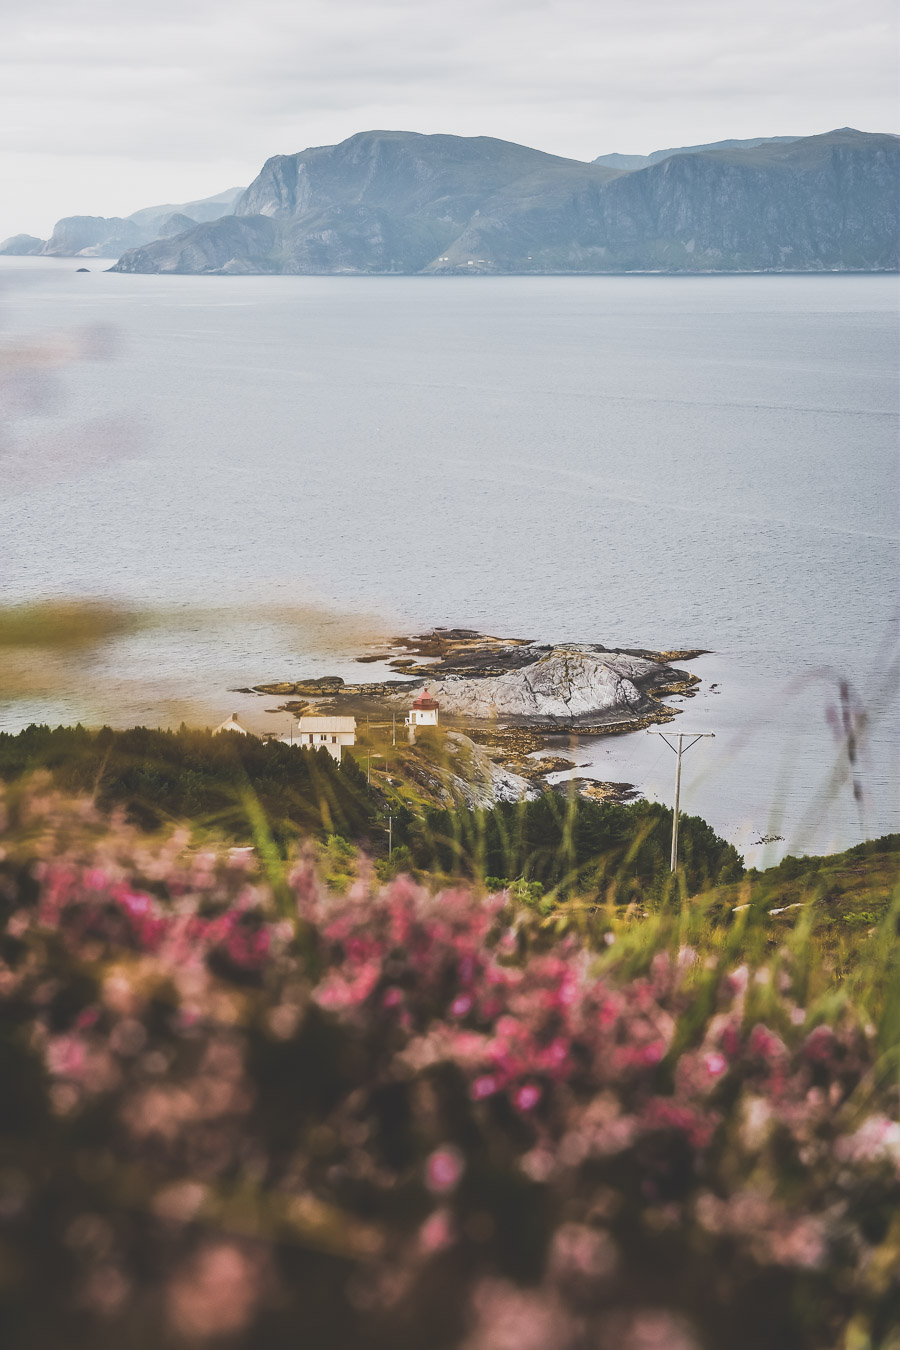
[106, 107]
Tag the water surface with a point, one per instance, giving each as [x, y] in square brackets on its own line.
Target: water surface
[656, 461]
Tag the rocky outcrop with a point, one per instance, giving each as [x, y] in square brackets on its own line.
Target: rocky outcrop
[571, 686]
[21, 246]
[398, 202]
[467, 776]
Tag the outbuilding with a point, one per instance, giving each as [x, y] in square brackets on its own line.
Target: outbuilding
[231, 724]
[324, 733]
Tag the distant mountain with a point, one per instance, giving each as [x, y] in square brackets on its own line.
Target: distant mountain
[399, 202]
[108, 236]
[20, 246]
[631, 162]
[151, 218]
[92, 237]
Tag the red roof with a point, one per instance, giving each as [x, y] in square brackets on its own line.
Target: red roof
[425, 702]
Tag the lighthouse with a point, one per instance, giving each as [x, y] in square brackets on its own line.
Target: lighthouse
[424, 712]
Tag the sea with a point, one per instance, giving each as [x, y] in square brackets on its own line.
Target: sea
[273, 475]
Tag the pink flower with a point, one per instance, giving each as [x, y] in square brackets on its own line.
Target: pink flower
[135, 904]
[527, 1097]
[443, 1169]
[485, 1086]
[436, 1232]
[715, 1064]
[460, 1006]
[392, 997]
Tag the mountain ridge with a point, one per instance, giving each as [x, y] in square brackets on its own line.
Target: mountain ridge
[109, 236]
[406, 203]
[631, 162]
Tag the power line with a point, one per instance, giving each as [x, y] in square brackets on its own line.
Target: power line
[678, 750]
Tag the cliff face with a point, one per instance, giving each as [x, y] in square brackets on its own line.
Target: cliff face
[399, 202]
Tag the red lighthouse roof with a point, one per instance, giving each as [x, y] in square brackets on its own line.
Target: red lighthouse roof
[426, 703]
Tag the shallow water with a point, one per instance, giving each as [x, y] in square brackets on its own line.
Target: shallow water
[659, 461]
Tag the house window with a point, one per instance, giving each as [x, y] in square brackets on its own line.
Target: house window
[334, 740]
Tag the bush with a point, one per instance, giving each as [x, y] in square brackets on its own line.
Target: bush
[263, 1116]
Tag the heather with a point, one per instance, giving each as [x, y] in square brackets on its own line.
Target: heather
[240, 1109]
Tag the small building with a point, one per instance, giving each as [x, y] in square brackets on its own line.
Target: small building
[231, 724]
[324, 733]
[424, 712]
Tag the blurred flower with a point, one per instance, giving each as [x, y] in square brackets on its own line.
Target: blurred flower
[443, 1169]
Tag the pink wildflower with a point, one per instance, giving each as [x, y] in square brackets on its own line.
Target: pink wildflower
[443, 1169]
[715, 1064]
[527, 1097]
[436, 1232]
[485, 1086]
[460, 1006]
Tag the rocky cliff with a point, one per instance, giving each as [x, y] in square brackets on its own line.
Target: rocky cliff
[398, 202]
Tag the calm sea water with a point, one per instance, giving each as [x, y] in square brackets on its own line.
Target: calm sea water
[283, 468]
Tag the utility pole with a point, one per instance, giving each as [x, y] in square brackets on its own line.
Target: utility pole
[390, 834]
[369, 758]
[393, 728]
[678, 750]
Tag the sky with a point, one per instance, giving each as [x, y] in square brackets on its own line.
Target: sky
[109, 105]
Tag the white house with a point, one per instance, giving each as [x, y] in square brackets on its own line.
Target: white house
[424, 712]
[324, 733]
[231, 724]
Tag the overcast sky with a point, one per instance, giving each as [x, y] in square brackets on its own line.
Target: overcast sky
[110, 105]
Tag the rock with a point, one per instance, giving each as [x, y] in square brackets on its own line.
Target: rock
[569, 686]
[323, 685]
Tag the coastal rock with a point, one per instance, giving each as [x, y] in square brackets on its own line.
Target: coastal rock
[570, 685]
[482, 782]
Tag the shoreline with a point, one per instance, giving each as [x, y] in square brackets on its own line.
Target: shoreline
[462, 662]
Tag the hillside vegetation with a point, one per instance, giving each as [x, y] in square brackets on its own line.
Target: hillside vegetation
[242, 1109]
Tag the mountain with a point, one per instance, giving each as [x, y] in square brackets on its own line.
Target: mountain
[150, 219]
[400, 202]
[109, 236]
[630, 162]
[20, 246]
[92, 237]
